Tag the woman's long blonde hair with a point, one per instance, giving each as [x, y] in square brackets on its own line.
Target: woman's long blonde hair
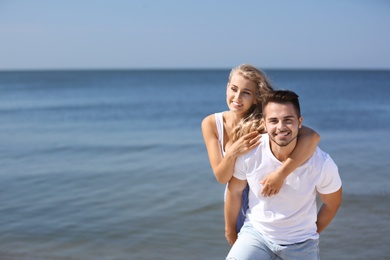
[252, 120]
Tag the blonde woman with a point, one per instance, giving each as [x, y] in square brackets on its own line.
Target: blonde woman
[232, 133]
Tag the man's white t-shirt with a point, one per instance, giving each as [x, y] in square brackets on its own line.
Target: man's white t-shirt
[290, 216]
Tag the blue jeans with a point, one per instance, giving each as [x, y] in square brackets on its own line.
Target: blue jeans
[244, 207]
[251, 245]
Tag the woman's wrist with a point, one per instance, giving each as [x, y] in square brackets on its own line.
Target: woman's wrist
[231, 155]
[283, 171]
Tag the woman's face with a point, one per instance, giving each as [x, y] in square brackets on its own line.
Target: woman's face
[240, 94]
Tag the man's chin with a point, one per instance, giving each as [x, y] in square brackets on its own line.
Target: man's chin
[281, 141]
[282, 144]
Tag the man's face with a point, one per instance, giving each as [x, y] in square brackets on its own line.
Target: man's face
[282, 123]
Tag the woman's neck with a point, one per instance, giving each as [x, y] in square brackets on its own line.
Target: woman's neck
[233, 118]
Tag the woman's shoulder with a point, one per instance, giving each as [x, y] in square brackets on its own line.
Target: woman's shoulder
[212, 121]
[208, 121]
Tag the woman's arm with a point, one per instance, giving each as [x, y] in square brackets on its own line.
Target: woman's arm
[307, 143]
[223, 166]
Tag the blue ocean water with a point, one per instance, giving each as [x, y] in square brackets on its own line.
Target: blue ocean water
[112, 164]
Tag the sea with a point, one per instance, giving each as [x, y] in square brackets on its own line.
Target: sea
[111, 164]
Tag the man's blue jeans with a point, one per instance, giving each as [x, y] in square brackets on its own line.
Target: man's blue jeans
[251, 244]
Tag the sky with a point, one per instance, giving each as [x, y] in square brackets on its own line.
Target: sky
[181, 34]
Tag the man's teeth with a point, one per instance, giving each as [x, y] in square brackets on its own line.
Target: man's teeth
[283, 134]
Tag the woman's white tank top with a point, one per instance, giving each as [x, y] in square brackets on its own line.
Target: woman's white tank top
[219, 123]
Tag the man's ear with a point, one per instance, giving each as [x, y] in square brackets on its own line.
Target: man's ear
[300, 121]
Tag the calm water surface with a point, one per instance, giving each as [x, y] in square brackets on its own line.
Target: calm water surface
[112, 165]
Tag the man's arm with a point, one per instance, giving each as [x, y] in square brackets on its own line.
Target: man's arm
[233, 207]
[331, 203]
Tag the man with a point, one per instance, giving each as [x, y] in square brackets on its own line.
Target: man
[285, 226]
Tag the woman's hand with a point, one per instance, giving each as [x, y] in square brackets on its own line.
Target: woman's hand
[244, 144]
[272, 184]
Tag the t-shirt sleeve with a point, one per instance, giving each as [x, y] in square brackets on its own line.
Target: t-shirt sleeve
[240, 169]
[330, 180]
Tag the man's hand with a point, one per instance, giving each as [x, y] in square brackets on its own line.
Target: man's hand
[231, 235]
[272, 184]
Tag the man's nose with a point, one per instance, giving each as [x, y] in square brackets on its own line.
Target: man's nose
[281, 125]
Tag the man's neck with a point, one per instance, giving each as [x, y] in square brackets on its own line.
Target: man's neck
[282, 152]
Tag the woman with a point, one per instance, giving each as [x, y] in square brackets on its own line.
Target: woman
[232, 133]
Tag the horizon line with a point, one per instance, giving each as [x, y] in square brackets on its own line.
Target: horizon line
[190, 68]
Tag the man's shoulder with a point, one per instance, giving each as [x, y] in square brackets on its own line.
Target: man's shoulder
[264, 138]
[254, 155]
[320, 158]
[320, 154]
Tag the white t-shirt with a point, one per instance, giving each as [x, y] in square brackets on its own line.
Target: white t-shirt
[290, 216]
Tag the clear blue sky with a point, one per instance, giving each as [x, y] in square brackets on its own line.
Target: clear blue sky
[82, 34]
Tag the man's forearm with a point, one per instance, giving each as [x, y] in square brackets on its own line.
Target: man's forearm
[232, 209]
[329, 208]
[324, 217]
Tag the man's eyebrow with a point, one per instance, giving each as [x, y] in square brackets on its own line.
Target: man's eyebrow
[285, 117]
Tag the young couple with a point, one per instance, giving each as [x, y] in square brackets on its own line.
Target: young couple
[274, 171]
